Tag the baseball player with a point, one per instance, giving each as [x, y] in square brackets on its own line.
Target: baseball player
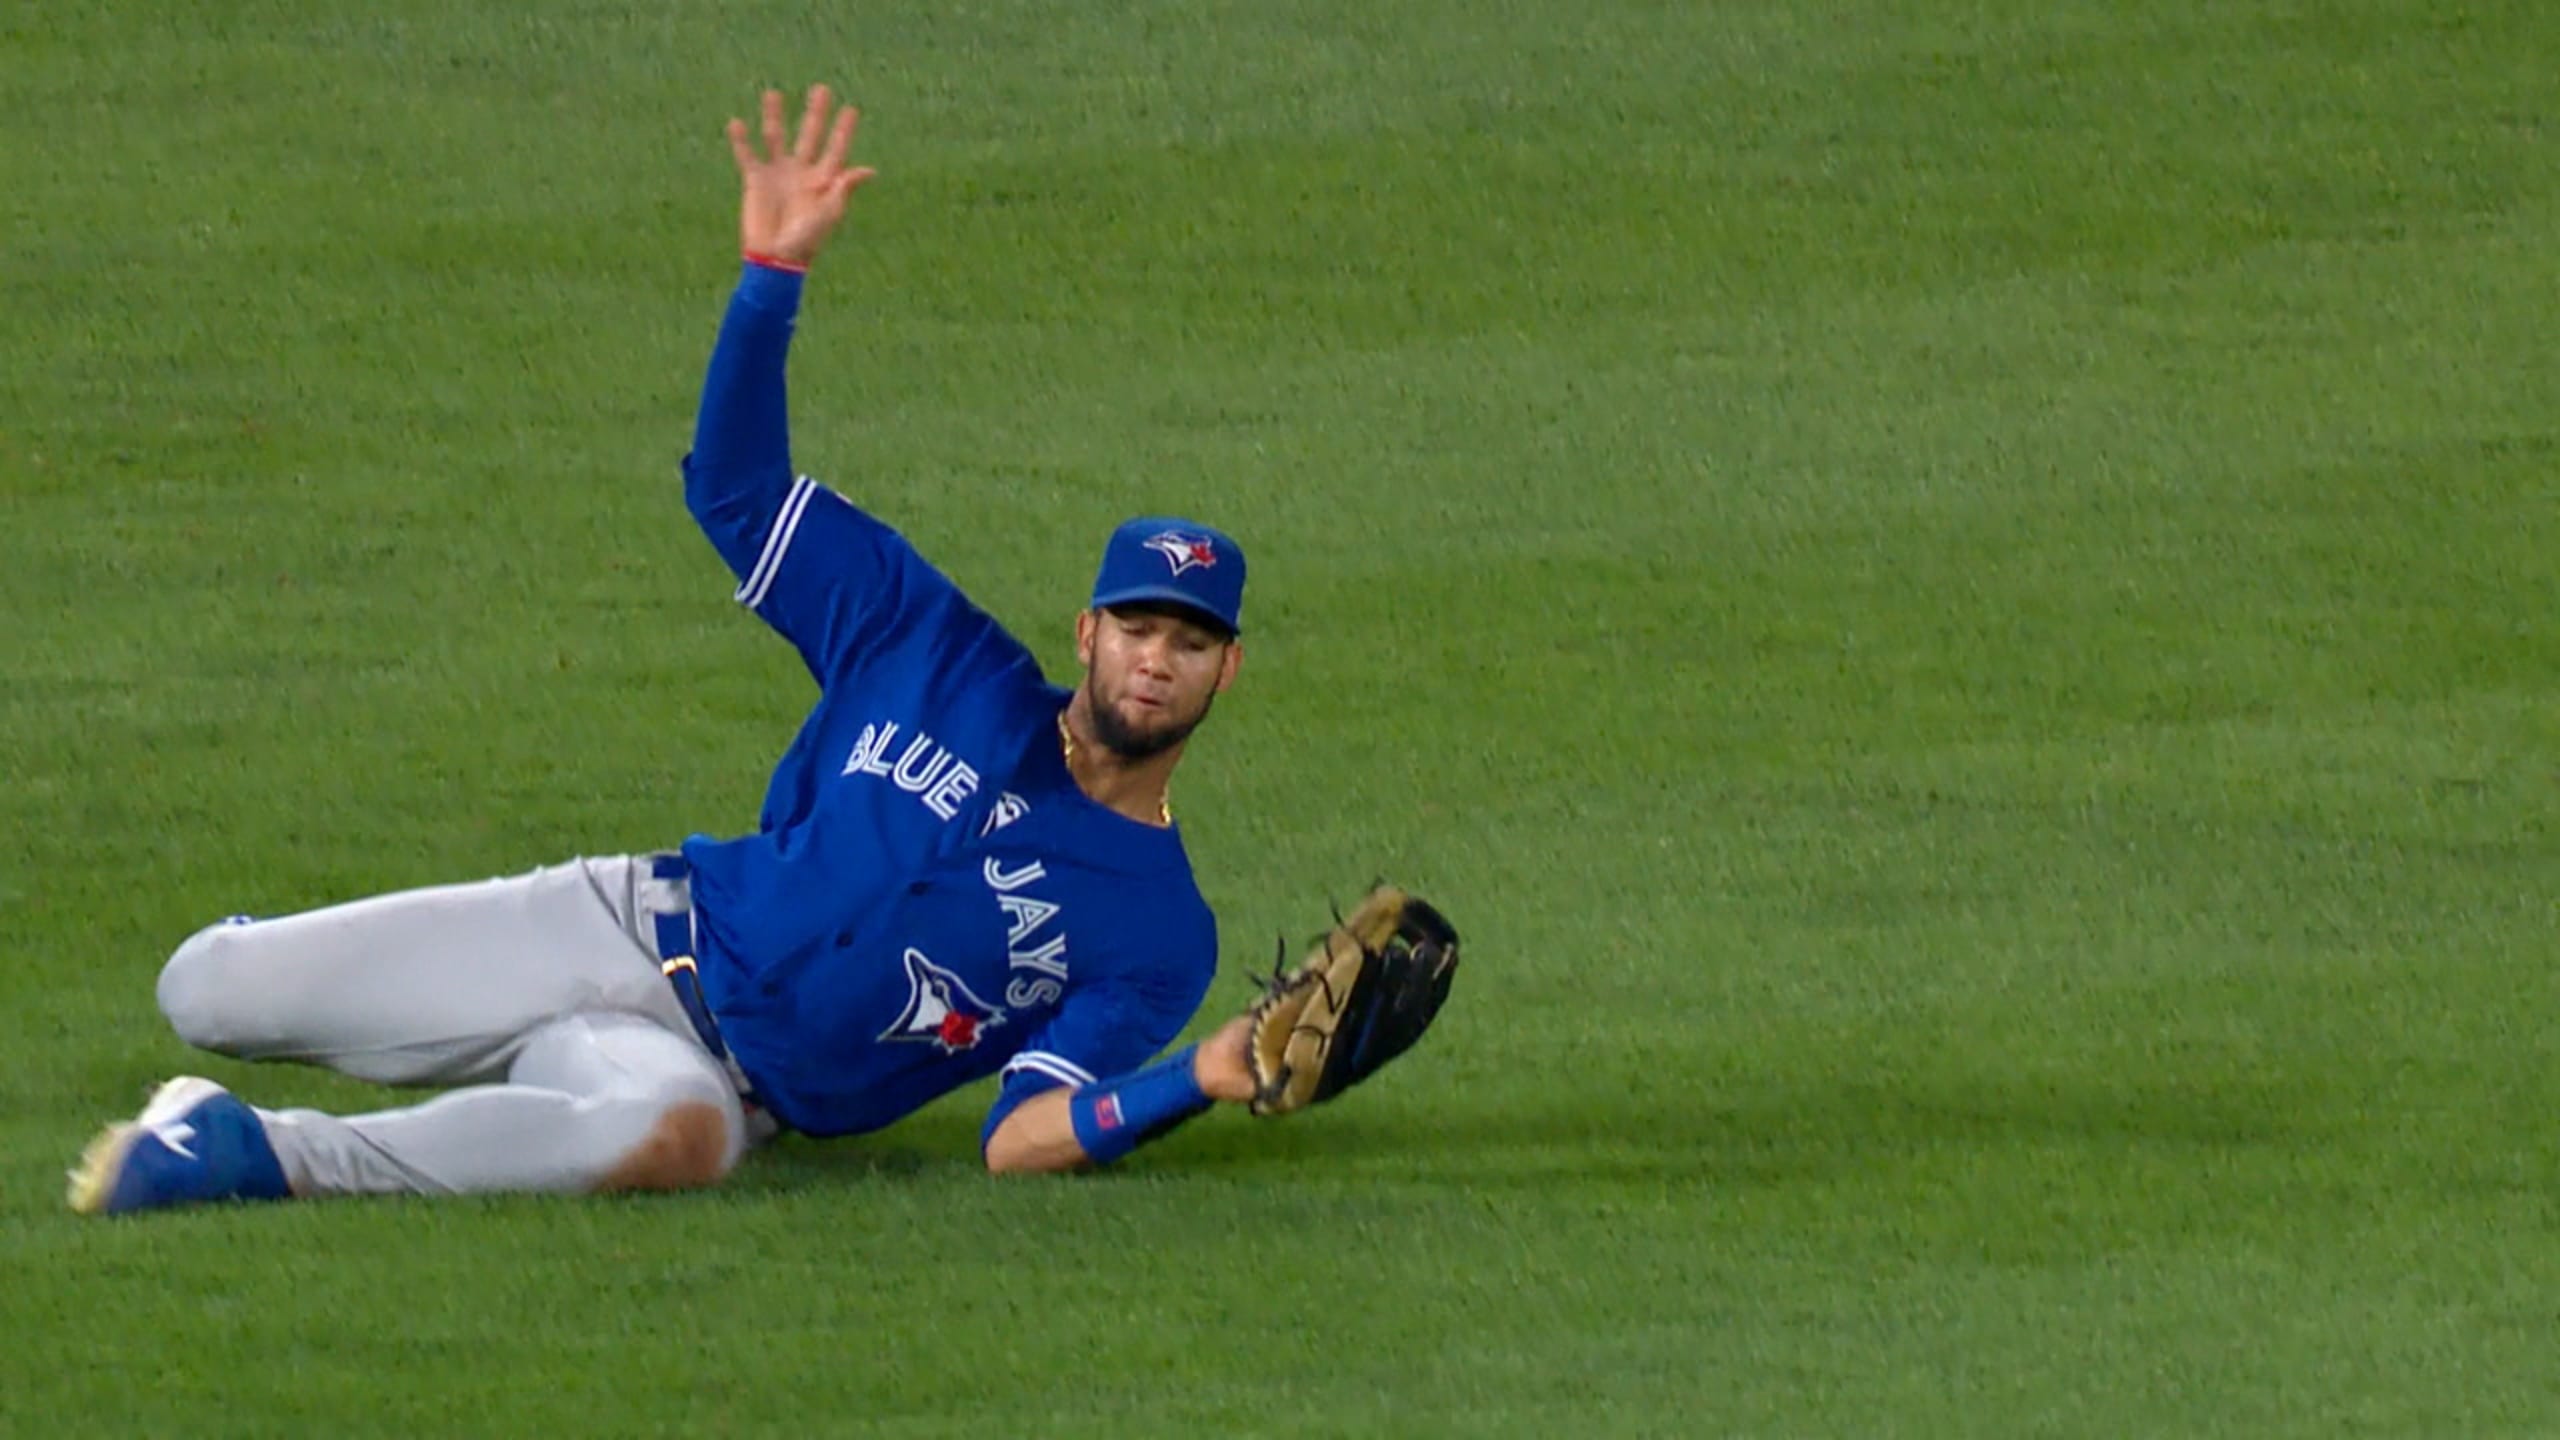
[960, 871]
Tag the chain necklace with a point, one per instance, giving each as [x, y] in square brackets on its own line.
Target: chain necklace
[1067, 751]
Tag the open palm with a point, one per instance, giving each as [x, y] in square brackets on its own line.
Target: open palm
[792, 198]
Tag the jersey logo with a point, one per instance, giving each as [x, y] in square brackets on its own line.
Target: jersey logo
[940, 1009]
[1008, 808]
[1182, 552]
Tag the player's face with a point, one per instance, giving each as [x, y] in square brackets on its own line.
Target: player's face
[1150, 676]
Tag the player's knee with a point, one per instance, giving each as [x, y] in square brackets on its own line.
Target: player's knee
[199, 994]
[688, 1147]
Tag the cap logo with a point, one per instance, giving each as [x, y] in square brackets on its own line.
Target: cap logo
[1182, 552]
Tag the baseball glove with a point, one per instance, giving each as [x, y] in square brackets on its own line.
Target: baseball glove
[1364, 993]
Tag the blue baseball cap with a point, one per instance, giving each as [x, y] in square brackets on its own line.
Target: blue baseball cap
[1175, 562]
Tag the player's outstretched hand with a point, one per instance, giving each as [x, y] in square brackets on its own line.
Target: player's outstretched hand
[793, 196]
[1223, 1065]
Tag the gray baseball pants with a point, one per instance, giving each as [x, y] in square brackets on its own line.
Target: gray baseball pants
[542, 993]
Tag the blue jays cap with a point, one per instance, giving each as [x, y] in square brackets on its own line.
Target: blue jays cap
[1175, 562]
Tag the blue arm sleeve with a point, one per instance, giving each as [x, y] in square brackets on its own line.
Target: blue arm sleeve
[832, 580]
[739, 473]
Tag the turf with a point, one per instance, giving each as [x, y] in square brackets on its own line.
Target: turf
[1958, 598]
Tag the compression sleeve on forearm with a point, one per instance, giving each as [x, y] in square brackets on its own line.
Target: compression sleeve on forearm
[742, 437]
[1119, 1115]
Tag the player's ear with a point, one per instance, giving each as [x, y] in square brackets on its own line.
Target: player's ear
[1086, 624]
[1227, 668]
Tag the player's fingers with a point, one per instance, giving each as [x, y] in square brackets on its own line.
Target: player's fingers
[738, 146]
[813, 124]
[842, 187]
[840, 140]
[773, 124]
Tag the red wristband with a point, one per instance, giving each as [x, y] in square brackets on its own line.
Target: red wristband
[776, 262]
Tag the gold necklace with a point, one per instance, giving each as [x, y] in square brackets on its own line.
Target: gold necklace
[1067, 752]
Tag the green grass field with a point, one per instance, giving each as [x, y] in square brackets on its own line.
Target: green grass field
[1958, 598]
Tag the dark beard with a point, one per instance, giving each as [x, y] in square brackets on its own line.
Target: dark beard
[1115, 735]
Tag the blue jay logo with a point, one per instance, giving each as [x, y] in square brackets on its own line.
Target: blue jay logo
[1183, 552]
[1008, 808]
[941, 1010]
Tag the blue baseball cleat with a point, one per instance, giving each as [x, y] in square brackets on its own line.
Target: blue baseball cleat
[194, 1143]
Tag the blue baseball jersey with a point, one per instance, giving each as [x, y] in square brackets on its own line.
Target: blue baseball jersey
[929, 898]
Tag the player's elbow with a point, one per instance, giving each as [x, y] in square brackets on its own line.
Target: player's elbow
[1022, 1145]
[1014, 1156]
